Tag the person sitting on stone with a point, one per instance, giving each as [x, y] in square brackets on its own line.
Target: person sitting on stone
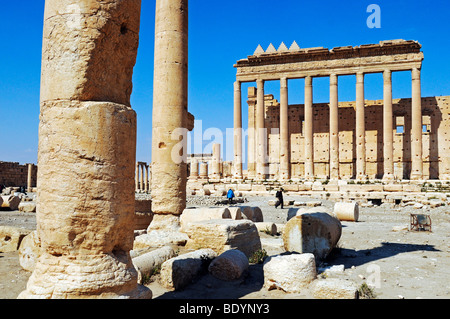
[230, 196]
[279, 196]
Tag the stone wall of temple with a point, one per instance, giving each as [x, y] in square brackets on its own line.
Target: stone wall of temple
[435, 137]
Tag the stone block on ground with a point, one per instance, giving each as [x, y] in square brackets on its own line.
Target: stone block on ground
[347, 211]
[29, 251]
[146, 263]
[178, 272]
[11, 201]
[190, 215]
[312, 232]
[224, 234]
[252, 213]
[290, 273]
[267, 227]
[334, 288]
[27, 207]
[11, 237]
[235, 212]
[230, 265]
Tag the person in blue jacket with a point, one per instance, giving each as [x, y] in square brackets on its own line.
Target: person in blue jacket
[230, 196]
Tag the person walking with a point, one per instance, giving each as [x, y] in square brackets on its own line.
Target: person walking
[230, 196]
[279, 196]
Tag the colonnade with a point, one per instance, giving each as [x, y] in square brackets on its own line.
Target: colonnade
[142, 177]
[360, 130]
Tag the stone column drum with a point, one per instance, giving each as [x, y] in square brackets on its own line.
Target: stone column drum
[334, 128]
[360, 128]
[388, 126]
[169, 158]
[87, 145]
[309, 129]
[284, 132]
[237, 165]
[261, 136]
[416, 127]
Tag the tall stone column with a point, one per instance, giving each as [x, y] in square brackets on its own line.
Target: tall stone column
[251, 150]
[308, 129]
[147, 179]
[261, 136]
[169, 146]
[416, 127]
[141, 176]
[388, 128]
[136, 177]
[334, 128]
[87, 149]
[285, 158]
[360, 128]
[29, 177]
[194, 169]
[237, 165]
[215, 162]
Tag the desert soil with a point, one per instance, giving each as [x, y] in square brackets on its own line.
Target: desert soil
[401, 264]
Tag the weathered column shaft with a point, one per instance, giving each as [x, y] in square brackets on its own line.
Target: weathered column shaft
[170, 107]
[251, 150]
[308, 129]
[194, 169]
[285, 158]
[215, 162]
[261, 136]
[360, 128]
[87, 147]
[388, 129]
[136, 177]
[29, 177]
[416, 127]
[334, 128]
[237, 164]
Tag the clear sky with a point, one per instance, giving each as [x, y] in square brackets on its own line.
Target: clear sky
[220, 33]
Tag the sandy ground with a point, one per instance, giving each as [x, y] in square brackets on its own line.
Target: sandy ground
[401, 264]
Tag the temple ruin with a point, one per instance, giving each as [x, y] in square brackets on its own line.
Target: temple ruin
[389, 139]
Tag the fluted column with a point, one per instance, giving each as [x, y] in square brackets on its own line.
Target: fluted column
[416, 127]
[261, 139]
[308, 129]
[388, 129]
[334, 128]
[360, 128]
[237, 164]
[285, 172]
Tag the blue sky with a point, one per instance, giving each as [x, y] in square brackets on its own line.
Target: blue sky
[220, 33]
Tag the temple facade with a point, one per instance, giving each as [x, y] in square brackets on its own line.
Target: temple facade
[388, 139]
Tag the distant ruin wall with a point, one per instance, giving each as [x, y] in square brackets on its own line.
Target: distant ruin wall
[14, 174]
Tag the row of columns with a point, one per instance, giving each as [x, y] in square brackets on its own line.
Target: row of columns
[142, 177]
[285, 174]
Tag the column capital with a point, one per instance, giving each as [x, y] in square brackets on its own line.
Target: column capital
[259, 82]
[237, 85]
[308, 80]
[387, 75]
[416, 73]
[333, 79]
[283, 82]
[360, 77]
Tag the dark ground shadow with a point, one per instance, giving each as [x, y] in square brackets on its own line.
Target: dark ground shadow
[352, 257]
[209, 287]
